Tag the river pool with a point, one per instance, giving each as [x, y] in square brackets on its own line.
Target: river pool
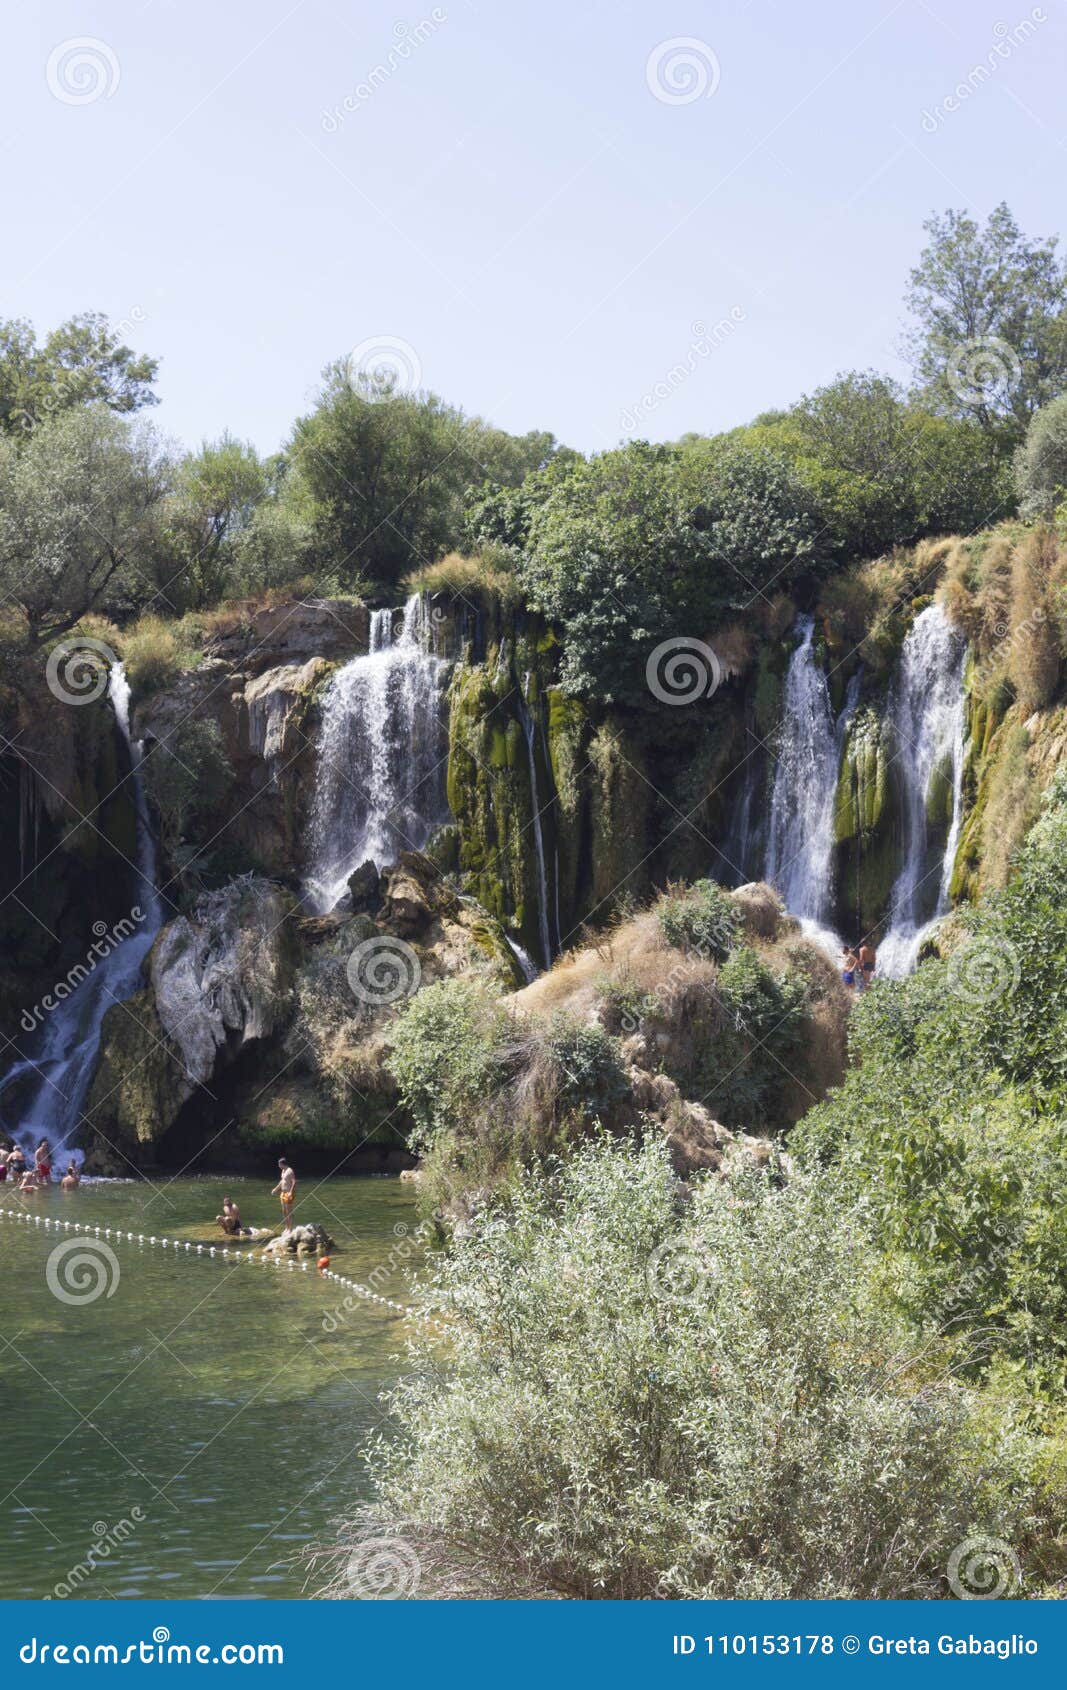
[204, 1420]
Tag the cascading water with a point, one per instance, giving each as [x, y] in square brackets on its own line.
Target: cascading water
[529, 729]
[800, 838]
[927, 715]
[45, 1092]
[380, 782]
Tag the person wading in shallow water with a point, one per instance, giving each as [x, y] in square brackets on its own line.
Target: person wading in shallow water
[286, 1191]
[71, 1179]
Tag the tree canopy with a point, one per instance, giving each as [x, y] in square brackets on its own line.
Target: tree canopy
[82, 362]
[990, 310]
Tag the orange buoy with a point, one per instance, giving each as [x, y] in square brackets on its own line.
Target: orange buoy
[324, 1262]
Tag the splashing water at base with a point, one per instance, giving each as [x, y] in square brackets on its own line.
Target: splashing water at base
[380, 782]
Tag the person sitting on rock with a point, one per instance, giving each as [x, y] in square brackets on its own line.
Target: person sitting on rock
[230, 1219]
[71, 1179]
[286, 1191]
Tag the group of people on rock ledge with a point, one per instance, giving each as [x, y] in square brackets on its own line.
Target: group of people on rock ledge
[857, 966]
[14, 1169]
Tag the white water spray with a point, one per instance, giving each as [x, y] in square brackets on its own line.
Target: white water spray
[927, 715]
[380, 782]
[800, 838]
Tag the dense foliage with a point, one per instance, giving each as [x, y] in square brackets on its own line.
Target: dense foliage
[951, 1127]
[643, 1399]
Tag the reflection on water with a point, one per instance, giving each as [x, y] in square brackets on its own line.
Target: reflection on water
[204, 1420]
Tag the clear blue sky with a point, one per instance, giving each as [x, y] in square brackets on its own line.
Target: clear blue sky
[511, 200]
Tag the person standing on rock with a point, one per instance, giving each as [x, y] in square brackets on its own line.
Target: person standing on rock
[867, 962]
[286, 1191]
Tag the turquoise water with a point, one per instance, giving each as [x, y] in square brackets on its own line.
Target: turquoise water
[204, 1420]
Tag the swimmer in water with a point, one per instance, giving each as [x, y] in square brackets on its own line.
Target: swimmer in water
[71, 1179]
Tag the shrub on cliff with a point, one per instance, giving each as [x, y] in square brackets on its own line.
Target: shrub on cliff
[648, 543]
[646, 1401]
[703, 919]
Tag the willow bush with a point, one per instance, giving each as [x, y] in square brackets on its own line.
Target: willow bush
[645, 1400]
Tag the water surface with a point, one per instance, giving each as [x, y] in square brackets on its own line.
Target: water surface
[226, 1402]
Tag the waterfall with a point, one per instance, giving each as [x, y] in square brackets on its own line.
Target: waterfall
[523, 958]
[67, 1040]
[800, 839]
[529, 729]
[927, 716]
[380, 780]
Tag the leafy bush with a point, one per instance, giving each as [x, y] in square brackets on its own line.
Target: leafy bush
[651, 542]
[952, 1124]
[156, 651]
[644, 1401]
[704, 920]
[446, 1052]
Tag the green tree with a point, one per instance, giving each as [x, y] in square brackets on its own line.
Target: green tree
[646, 543]
[216, 494]
[1041, 461]
[382, 474]
[990, 309]
[81, 362]
[80, 499]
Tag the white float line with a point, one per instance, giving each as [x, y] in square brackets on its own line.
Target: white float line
[178, 1244]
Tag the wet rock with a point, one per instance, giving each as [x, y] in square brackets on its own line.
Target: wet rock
[365, 889]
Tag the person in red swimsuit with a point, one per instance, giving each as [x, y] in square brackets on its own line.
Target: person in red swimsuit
[43, 1158]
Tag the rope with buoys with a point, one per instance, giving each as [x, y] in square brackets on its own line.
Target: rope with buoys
[178, 1245]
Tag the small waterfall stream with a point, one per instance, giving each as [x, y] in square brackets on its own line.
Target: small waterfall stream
[800, 836]
[380, 781]
[927, 714]
[63, 1059]
[529, 729]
